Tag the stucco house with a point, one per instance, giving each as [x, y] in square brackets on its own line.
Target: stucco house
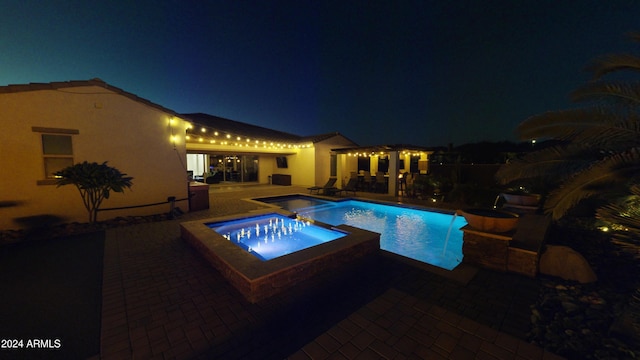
[48, 126]
[240, 152]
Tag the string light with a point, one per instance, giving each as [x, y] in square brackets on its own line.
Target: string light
[240, 140]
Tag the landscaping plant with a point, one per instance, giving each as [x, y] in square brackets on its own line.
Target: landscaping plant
[95, 183]
[598, 150]
[597, 155]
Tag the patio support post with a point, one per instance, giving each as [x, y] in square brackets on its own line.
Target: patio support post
[394, 164]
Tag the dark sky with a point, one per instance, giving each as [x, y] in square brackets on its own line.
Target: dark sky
[415, 72]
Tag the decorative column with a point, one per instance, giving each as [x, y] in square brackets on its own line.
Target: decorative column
[394, 170]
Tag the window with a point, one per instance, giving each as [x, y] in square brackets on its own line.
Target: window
[334, 165]
[364, 163]
[57, 151]
[383, 164]
[236, 168]
[413, 165]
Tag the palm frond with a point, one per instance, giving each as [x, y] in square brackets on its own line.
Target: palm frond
[597, 126]
[612, 136]
[594, 180]
[623, 216]
[553, 163]
[563, 124]
[624, 93]
[612, 63]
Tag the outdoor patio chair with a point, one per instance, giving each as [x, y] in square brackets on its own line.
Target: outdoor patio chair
[366, 181]
[328, 187]
[379, 185]
[351, 186]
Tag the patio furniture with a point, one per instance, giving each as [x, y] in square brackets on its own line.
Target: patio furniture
[366, 181]
[328, 187]
[351, 186]
[281, 179]
[380, 183]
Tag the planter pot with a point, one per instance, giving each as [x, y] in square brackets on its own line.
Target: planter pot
[490, 220]
[521, 199]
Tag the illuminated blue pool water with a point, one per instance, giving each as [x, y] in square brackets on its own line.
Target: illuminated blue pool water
[417, 234]
[272, 235]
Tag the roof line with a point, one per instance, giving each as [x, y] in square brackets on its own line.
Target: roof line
[57, 85]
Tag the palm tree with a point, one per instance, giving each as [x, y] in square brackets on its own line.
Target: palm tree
[598, 150]
[598, 156]
[95, 183]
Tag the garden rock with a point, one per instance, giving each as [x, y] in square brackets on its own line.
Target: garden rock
[566, 263]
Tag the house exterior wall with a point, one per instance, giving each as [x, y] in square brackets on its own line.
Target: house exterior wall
[323, 158]
[132, 136]
[302, 167]
[346, 165]
[266, 167]
[307, 166]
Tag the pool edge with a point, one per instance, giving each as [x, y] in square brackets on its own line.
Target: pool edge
[258, 280]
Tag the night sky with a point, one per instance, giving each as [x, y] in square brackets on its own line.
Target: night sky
[425, 73]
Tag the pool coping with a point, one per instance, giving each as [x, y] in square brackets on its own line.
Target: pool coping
[347, 198]
[257, 279]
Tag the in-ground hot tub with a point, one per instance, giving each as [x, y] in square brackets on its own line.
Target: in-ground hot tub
[264, 253]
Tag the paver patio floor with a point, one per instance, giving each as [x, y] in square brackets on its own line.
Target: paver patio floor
[162, 300]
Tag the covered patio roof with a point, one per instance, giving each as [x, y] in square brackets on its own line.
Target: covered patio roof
[384, 149]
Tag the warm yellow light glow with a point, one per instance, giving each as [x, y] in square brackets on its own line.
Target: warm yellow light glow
[212, 141]
[188, 137]
[228, 136]
[215, 133]
[200, 139]
[189, 126]
[238, 138]
[203, 130]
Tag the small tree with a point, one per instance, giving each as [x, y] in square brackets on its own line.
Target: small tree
[95, 182]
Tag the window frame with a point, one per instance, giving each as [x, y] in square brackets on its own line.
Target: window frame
[45, 131]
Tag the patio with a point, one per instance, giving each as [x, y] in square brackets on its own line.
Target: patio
[162, 300]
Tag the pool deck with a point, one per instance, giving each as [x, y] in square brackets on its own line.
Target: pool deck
[162, 300]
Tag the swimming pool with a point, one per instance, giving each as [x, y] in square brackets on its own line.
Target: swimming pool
[427, 236]
[273, 235]
[257, 278]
